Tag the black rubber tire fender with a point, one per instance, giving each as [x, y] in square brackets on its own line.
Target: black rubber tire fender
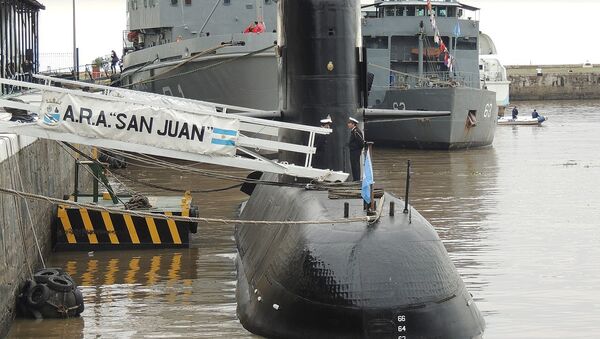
[38, 295]
[68, 277]
[60, 284]
[29, 284]
[42, 276]
[78, 300]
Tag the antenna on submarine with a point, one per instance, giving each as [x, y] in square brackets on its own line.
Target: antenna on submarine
[407, 187]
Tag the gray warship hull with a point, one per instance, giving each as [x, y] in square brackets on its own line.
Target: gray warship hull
[446, 132]
[230, 76]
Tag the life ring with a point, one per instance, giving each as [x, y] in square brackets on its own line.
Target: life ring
[59, 283]
[38, 295]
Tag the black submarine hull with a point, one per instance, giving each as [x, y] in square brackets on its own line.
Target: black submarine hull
[392, 279]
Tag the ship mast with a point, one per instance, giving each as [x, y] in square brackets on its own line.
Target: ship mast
[421, 32]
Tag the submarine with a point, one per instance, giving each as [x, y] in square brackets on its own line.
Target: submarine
[391, 278]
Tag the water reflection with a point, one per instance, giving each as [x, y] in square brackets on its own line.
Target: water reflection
[455, 191]
[165, 293]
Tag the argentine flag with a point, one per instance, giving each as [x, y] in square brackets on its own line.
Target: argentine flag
[367, 179]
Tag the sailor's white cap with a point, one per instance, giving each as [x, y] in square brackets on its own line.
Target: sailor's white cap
[326, 121]
[353, 120]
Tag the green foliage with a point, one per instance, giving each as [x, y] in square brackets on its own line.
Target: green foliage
[98, 62]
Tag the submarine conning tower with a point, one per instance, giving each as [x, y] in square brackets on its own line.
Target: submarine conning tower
[318, 44]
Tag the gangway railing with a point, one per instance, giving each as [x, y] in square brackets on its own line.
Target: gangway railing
[160, 125]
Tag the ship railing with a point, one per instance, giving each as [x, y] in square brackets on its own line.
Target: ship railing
[10, 89]
[433, 79]
[87, 72]
[247, 136]
[492, 76]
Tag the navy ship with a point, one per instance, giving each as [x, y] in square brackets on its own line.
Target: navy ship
[198, 50]
[424, 57]
[391, 278]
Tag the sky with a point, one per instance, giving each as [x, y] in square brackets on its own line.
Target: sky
[537, 32]
[541, 31]
[100, 25]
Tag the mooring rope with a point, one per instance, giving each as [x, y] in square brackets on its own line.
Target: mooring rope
[64, 145]
[93, 207]
[163, 77]
[146, 159]
[169, 189]
[183, 62]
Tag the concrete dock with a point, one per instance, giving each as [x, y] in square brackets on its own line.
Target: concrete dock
[554, 82]
[44, 168]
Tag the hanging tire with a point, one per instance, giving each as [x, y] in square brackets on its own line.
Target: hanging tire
[43, 275]
[38, 295]
[60, 284]
[78, 300]
[29, 284]
[68, 277]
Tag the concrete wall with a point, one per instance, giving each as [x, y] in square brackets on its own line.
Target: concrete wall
[45, 169]
[564, 82]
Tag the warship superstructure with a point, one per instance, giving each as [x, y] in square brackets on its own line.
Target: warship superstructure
[424, 56]
[492, 73]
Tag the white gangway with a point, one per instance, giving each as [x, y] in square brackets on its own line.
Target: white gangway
[160, 125]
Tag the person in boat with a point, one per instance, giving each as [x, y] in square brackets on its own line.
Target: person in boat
[536, 115]
[321, 144]
[515, 112]
[355, 145]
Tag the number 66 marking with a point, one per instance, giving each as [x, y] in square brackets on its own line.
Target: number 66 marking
[401, 318]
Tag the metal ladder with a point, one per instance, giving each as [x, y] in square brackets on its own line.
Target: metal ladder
[236, 139]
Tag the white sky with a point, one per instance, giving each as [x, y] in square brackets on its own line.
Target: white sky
[525, 31]
[100, 24]
[541, 31]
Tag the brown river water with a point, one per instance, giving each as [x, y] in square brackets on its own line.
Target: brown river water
[521, 221]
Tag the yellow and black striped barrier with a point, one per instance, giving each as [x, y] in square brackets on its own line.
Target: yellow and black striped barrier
[84, 229]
